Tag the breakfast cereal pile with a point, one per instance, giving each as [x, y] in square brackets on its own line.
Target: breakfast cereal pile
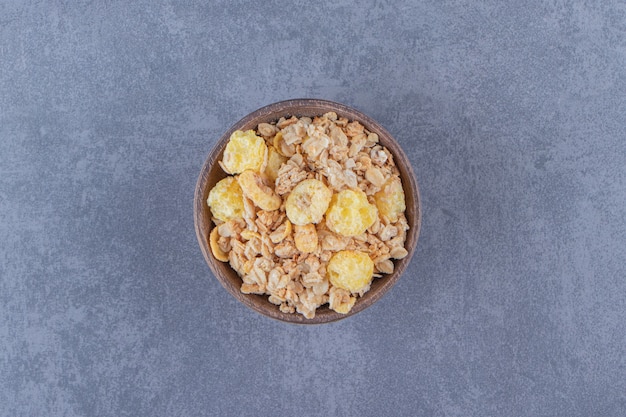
[311, 211]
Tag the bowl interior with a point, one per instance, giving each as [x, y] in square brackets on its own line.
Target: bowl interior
[212, 173]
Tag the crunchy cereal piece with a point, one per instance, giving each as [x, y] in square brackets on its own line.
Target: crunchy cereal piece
[266, 129]
[388, 232]
[337, 135]
[218, 253]
[289, 175]
[331, 115]
[385, 267]
[249, 235]
[311, 279]
[245, 150]
[398, 252]
[375, 227]
[285, 249]
[282, 147]
[253, 248]
[349, 213]
[275, 300]
[372, 139]
[354, 128]
[334, 173]
[340, 300]
[259, 271]
[390, 199]
[297, 160]
[265, 219]
[342, 121]
[256, 190]
[236, 257]
[350, 179]
[363, 162]
[252, 289]
[344, 307]
[332, 242]
[226, 200]
[375, 176]
[308, 302]
[312, 263]
[294, 289]
[283, 123]
[314, 145]
[305, 238]
[294, 133]
[351, 270]
[378, 155]
[308, 202]
[276, 279]
[281, 232]
[339, 152]
[265, 265]
[249, 212]
[357, 143]
[321, 288]
[224, 244]
[274, 161]
[267, 249]
[306, 310]
[286, 308]
[231, 228]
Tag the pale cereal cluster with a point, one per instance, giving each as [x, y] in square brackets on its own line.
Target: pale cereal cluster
[312, 212]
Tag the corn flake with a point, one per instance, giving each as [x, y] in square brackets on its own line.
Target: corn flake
[226, 200]
[390, 199]
[349, 213]
[351, 270]
[245, 150]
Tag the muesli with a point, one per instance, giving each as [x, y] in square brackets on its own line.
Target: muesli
[311, 212]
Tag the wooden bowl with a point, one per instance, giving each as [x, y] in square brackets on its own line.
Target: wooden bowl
[211, 173]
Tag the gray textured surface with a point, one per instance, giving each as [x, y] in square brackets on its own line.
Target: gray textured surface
[512, 113]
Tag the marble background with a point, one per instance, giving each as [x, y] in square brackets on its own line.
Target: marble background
[513, 115]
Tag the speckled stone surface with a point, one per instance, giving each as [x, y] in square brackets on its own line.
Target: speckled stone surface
[513, 115]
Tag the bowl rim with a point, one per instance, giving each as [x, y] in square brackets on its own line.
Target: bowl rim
[287, 106]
